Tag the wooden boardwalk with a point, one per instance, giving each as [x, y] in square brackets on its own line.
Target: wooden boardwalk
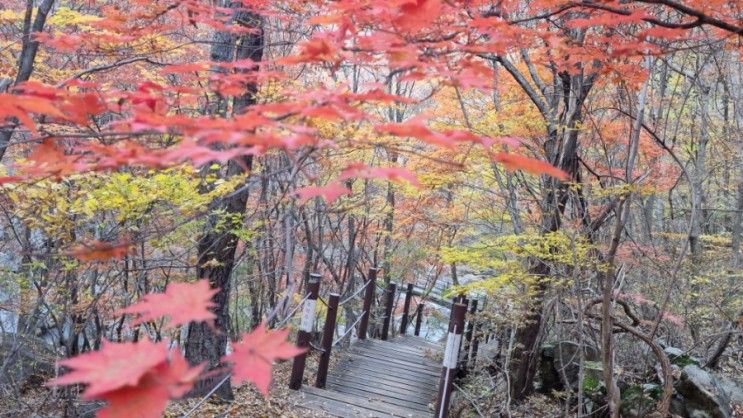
[375, 378]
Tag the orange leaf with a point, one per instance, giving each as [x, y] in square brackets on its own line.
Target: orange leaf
[329, 192]
[514, 162]
[418, 130]
[396, 174]
[99, 250]
[48, 158]
[184, 68]
[312, 50]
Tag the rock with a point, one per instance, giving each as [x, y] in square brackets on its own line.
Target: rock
[706, 395]
[559, 365]
[639, 400]
[673, 352]
[679, 357]
[23, 358]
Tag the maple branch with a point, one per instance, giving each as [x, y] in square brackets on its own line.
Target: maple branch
[701, 17]
[31, 46]
[112, 66]
[665, 365]
[533, 72]
[29, 49]
[524, 83]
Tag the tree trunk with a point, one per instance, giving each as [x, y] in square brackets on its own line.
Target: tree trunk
[27, 57]
[216, 248]
[562, 150]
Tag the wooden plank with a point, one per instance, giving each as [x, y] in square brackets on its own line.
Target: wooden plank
[392, 402]
[338, 408]
[394, 348]
[381, 387]
[395, 367]
[384, 370]
[370, 404]
[399, 348]
[372, 372]
[350, 360]
[408, 341]
[375, 373]
[391, 358]
[385, 391]
[424, 388]
[401, 344]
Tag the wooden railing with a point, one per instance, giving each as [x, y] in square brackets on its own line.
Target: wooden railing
[462, 340]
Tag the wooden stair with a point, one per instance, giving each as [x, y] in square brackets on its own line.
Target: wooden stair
[376, 378]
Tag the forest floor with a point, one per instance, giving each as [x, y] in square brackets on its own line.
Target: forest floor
[281, 402]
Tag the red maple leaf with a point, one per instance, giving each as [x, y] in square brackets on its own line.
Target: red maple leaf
[60, 42]
[329, 192]
[396, 174]
[146, 393]
[181, 302]
[416, 14]
[114, 366]
[48, 158]
[418, 130]
[514, 162]
[253, 357]
[149, 398]
[312, 50]
[146, 400]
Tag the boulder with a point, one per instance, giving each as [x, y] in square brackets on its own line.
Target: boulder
[679, 357]
[639, 401]
[706, 395]
[23, 358]
[559, 365]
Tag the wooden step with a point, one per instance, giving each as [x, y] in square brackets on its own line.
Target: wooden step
[348, 405]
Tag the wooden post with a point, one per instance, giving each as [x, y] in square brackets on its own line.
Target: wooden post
[475, 343]
[391, 289]
[419, 319]
[327, 340]
[371, 283]
[476, 335]
[466, 302]
[451, 357]
[305, 330]
[468, 339]
[406, 310]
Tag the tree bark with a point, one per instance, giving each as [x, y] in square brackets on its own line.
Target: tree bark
[561, 148]
[29, 48]
[216, 248]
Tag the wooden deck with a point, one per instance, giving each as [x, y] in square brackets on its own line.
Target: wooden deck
[375, 378]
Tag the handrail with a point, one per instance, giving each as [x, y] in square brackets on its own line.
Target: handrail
[349, 329]
[454, 364]
[346, 300]
[291, 313]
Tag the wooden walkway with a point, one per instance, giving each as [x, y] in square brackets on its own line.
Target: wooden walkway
[375, 378]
